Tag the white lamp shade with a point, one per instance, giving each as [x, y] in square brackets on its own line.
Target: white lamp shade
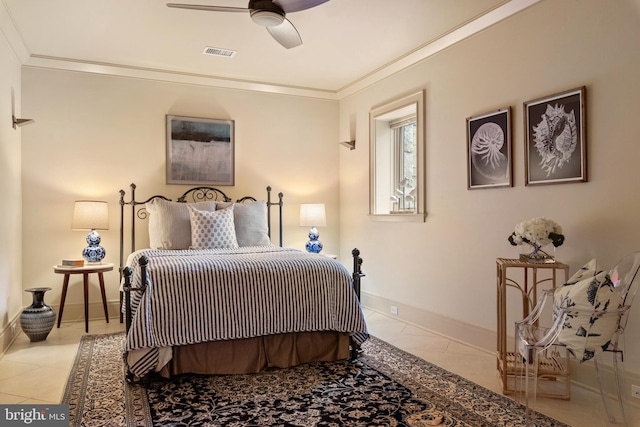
[313, 215]
[90, 215]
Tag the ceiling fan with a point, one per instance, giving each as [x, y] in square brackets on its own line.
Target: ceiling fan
[271, 14]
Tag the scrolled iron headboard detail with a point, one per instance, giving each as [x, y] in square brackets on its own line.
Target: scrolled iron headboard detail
[246, 199]
[203, 194]
[142, 213]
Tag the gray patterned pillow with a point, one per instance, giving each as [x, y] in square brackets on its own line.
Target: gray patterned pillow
[589, 292]
[212, 230]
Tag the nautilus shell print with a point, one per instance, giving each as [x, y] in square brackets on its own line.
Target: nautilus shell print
[486, 151]
[555, 138]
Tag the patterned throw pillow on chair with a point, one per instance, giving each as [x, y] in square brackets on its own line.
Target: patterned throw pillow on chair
[589, 292]
[212, 230]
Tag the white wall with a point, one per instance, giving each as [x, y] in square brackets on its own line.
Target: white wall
[11, 295]
[443, 271]
[94, 135]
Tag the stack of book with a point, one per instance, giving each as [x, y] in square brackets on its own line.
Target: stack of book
[72, 263]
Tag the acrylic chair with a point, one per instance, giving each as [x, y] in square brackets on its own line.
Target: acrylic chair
[538, 346]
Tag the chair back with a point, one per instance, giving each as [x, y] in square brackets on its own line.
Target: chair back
[626, 280]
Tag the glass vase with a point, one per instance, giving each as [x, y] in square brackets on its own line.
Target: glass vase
[531, 252]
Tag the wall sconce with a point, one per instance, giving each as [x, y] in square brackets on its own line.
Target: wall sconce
[20, 122]
[350, 144]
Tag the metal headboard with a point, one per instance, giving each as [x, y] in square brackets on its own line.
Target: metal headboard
[196, 194]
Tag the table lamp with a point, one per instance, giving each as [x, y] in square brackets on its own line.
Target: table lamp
[313, 215]
[91, 215]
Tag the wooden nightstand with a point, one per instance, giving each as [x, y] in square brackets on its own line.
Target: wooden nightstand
[85, 271]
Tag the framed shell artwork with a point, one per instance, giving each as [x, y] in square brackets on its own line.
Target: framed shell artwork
[489, 150]
[555, 138]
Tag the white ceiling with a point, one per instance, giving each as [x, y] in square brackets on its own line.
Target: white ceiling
[346, 43]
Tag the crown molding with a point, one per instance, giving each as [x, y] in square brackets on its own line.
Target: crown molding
[66, 64]
[467, 30]
[11, 34]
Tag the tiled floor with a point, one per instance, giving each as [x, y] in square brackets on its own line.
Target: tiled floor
[37, 372]
[585, 409]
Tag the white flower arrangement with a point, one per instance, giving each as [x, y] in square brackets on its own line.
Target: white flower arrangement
[537, 232]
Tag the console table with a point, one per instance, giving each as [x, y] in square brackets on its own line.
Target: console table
[507, 363]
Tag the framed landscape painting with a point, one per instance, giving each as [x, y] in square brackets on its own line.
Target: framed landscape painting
[489, 150]
[200, 151]
[555, 138]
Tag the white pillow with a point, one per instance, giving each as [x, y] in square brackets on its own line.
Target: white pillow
[212, 230]
[251, 222]
[171, 227]
[155, 241]
[589, 291]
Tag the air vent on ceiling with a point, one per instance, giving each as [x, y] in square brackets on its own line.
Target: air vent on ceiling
[216, 51]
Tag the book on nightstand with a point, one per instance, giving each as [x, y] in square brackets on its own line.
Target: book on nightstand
[72, 263]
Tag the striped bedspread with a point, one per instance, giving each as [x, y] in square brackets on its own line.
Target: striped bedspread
[196, 296]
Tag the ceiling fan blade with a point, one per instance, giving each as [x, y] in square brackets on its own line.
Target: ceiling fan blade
[207, 8]
[285, 34]
[290, 6]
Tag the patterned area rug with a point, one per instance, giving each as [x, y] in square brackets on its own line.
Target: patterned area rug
[385, 387]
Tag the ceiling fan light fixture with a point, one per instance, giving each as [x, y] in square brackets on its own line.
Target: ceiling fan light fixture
[267, 18]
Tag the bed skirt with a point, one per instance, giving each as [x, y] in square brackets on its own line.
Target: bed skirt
[251, 355]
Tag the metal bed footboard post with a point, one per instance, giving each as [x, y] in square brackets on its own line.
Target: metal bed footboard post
[357, 276]
[127, 272]
[127, 288]
[357, 271]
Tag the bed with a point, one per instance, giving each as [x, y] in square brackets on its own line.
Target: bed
[212, 295]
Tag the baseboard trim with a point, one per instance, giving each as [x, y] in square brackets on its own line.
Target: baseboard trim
[75, 312]
[480, 338]
[9, 334]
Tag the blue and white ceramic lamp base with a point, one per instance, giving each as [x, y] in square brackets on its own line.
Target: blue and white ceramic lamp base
[93, 253]
[314, 245]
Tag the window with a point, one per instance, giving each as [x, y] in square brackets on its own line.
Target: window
[404, 157]
[397, 160]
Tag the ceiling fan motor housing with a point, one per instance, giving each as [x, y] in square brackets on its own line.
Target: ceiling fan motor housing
[266, 13]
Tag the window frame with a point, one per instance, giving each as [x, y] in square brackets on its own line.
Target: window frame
[395, 111]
